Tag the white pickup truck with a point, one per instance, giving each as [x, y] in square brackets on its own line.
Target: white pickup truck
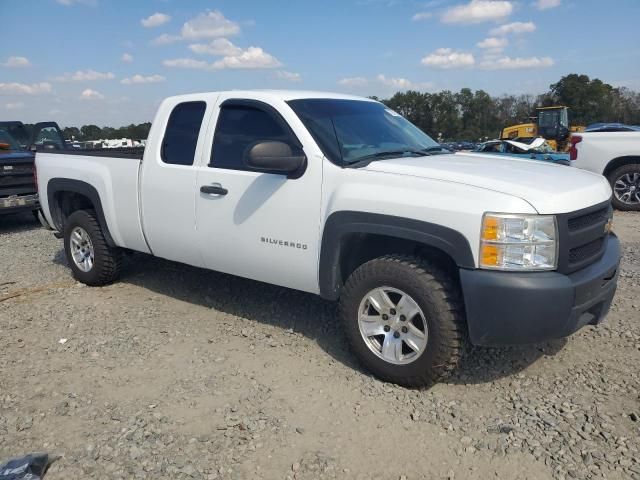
[616, 155]
[341, 197]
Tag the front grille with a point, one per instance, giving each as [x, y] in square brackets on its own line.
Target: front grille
[583, 221]
[582, 237]
[16, 177]
[580, 254]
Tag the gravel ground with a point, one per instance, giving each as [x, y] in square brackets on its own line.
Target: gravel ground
[176, 372]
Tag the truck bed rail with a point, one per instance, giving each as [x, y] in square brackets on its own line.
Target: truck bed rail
[135, 153]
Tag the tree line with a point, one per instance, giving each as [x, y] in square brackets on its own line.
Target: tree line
[475, 115]
[470, 115]
[94, 132]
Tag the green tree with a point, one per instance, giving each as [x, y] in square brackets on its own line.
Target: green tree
[90, 132]
[71, 133]
[589, 100]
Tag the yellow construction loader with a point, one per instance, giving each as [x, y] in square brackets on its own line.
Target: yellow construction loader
[551, 123]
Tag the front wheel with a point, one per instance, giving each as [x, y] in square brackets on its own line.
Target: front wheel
[404, 320]
[92, 260]
[625, 183]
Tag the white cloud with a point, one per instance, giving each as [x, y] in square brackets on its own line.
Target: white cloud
[447, 58]
[155, 20]
[493, 43]
[398, 83]
[477, 11]
[515, 27]
[16, 62]
[290, 76]
[24, 89]
[393, 83]
[518, 63]
[546, 4]
[89, 94]
[209, 25]
[403, 83]
[127, 58]
[165, 39]
[85, 76]
[353, 82]
[14, 106]
[421, 16]
[218, 46]
[140, 79]
[251, 58]
[186, 63]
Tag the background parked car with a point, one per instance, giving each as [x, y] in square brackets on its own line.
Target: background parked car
[536, 150]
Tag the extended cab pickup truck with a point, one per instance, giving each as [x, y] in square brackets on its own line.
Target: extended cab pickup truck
[341, 197]
[616, 155]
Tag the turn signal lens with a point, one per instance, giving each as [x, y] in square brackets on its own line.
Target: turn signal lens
[489, 255]
[490, 228]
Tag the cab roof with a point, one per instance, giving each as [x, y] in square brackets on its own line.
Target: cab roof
[283, 95]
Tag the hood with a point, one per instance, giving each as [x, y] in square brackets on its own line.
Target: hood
[548, 187]
[13, 154]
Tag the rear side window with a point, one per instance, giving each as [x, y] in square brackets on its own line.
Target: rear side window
[238, 128]
[181, 135]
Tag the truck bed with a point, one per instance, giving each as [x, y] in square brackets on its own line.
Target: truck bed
[112, 173]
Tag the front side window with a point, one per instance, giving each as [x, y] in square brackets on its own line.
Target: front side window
[181, 135]
[348, 131]
[239, 127]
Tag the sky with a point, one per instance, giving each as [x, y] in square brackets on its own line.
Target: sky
[111, 62]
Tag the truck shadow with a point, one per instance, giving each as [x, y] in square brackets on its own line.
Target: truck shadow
[485, 365]
[18, 222]
[304, 313]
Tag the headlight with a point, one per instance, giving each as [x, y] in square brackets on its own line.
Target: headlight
[518, 242]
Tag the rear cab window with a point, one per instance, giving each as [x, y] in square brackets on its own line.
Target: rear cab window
[181, 135]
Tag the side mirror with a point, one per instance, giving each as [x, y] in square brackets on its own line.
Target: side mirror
[276, 157]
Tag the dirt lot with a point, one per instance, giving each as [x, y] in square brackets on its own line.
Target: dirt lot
[176, 372]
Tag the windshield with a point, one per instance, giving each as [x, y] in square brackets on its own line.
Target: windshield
[548, 118]
[7, 142]
[348, 131]
[48, 136]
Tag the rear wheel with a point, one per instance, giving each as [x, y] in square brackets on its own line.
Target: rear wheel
[404, 320]
[91, 259]
[625, 183]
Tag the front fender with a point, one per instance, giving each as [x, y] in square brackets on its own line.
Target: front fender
[342, 223]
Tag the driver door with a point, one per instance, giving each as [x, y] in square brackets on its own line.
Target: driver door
[258, 225]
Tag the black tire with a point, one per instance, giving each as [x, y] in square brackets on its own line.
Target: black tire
[633, 168]
[106, 265]
[438, 297]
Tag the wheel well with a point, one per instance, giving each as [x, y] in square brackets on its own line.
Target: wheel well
[359, 248]
[619, 162]
[66, 203]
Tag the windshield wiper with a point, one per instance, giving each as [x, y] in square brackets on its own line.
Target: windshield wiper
[435, 148]
[362, 161]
